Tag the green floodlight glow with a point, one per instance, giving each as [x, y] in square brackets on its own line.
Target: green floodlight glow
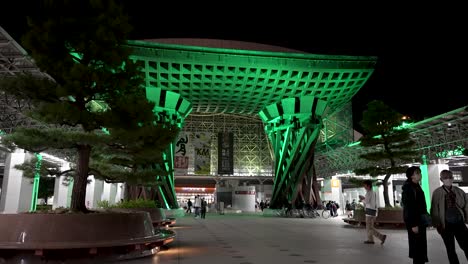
[425, 182]
[37, 177]
[69, 191]
[404, 125]
[76, 56]
[171, 149]
[352, 144]
[164, 197]
[451, 153]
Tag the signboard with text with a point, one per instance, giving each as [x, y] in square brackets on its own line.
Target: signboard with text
[181, 157]
[225, 153]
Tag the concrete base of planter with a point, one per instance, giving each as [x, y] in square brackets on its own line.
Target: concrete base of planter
[125, 235]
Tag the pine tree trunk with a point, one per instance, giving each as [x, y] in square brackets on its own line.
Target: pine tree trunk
[78, 197]
[385, 188]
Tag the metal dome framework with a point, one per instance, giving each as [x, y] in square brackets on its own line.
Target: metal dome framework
[219, 80]
[14, 60]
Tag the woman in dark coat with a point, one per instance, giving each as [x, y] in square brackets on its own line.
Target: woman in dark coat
[414, 205]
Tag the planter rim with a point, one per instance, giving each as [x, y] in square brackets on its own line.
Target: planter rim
[17, 225]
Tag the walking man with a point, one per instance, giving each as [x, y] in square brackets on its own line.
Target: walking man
[370, 205]
[449, 213]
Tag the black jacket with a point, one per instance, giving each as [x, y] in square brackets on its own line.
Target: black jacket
[414, 203]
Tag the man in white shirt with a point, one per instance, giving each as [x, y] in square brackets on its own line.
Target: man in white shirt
[370, 205]
[197, 205]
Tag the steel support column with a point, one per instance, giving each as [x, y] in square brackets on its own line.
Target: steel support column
[293, 126]
[171, 109]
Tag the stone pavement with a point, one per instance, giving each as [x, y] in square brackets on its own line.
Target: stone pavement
[254, 239]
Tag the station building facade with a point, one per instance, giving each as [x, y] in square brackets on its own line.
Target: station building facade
[251, 118]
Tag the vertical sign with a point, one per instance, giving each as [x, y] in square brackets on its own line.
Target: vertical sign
[181, 157]
[202, 147]
[225, 153]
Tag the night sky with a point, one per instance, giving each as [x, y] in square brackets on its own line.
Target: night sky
[422, 57]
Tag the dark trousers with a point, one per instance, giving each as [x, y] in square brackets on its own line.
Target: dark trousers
[203, 213]
[417, 245]
[460, 232]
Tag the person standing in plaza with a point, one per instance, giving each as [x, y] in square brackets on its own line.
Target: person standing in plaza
[349, 211]
[370, 205]
[414, 207]
[449, 213]
[197, 205]
[203, 208]
[189, 207]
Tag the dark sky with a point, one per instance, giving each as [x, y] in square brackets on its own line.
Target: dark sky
[422, 54]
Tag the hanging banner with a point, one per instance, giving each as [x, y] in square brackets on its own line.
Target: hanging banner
[202, 145]
[181, 154]
[225, 153]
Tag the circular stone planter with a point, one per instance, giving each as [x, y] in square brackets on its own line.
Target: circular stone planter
[157, 215]
[93, 232]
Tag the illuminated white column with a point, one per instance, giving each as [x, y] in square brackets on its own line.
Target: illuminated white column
[60, 189]
[16, 190]
[380, 194]
[94, 191]
[332, 190]
[112, 193]
[243, 198]
[106, 192]
[120, 192]
[434, 175]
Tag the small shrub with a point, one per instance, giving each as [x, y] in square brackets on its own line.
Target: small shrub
[138, 203]
[104, 204]
[43, 207]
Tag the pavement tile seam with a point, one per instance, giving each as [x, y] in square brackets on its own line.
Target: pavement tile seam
[309, 241]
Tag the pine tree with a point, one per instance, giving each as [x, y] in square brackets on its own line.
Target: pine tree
[390, 145]
[137, 159]
[93, 85]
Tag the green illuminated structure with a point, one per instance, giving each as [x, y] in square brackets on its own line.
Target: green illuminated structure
[171, 109]
[293, 126]
[233, 77]
[37, 176]
[222, 80]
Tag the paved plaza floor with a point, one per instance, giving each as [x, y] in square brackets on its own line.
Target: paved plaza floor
[254, 239]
